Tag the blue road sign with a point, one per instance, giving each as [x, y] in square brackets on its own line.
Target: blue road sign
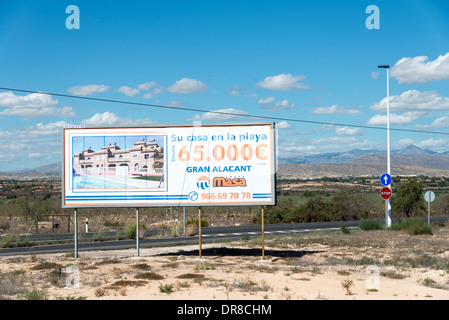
[385, 179]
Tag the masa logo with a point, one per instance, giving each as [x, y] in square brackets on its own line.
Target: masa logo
[203, 182]
[227, 182]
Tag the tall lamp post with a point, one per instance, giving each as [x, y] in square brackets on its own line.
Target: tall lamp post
[388, 209]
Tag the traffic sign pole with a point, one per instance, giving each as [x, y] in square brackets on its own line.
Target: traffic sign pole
[429, 196]
[388, 146]
[386, 193]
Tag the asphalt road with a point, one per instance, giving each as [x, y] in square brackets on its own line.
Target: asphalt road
[39, 242]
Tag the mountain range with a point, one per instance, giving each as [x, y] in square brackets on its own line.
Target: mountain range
[358, 156]
[410, 160]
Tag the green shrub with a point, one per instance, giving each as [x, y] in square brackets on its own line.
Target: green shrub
[273, 215]
[130, 230]
[204, 222]
[36, 295]
[6, 240]
[341, 207]
[413, 226]
[166, 288]
[344, 229]
[366, 225]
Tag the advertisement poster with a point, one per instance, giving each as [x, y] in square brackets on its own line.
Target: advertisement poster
[208, 165]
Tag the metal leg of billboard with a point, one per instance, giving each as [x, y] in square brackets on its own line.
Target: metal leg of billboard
[76, 234]
[263, 238]
[199, 229]
[137, 232]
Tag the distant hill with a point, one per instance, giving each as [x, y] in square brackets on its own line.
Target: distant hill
[371, 156]
[49, 170]
[307, 171]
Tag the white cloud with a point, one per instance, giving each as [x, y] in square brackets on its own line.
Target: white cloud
[88, 90]
[111, 119]
[434, 144]
[402, 143]
[29, 142]
[147, 86]
[438, 123]
[267, 100]
[35, 155]
[346, 131]
[413, 100]
[401, 119]
[235, 91]
[413, 104]
[186, 85]
[35, 132]
[283, 105]
[102, 119]
[249, 95]
[437, 145]
[174, 103]
[420, 70]
[32, 105]
[334, 109]
[337, 144]
[127, 91]
[154, 92]
[220, 115]
[283, 82]
[283, 125]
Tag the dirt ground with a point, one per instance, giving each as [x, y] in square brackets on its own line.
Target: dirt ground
[363, 265]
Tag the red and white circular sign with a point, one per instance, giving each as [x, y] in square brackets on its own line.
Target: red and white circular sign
[385, 193]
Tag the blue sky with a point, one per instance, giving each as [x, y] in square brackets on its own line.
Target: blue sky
[304, 60]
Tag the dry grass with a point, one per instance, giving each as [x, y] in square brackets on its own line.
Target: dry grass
[295, 267]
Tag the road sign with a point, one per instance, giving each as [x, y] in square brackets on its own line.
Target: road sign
[385, 193]
[429, 196]
[385, 179]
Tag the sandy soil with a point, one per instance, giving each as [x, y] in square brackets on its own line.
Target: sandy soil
[373, 265]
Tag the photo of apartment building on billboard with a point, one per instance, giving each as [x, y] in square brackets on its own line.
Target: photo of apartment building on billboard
[106, 157]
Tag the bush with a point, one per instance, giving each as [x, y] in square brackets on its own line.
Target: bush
[341, 207]
[166, 288]
[413, 226]
[366, 225]
[36, 295]
[273, 215]
[130, 230]
[344, 229]
[204, 223]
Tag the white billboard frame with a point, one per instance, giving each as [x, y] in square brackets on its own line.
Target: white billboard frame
[265, 169]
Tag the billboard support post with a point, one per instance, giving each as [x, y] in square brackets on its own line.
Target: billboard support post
[263, 238]
[199, 229]
[76, 234]
[184, 217]
[137, 232]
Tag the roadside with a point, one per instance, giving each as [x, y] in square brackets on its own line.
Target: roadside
[382, 264]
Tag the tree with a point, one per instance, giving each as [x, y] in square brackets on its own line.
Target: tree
[408, 198]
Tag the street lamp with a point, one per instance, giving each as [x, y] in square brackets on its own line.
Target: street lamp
[388, 206]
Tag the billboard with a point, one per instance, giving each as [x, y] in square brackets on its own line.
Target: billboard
[184, 165]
